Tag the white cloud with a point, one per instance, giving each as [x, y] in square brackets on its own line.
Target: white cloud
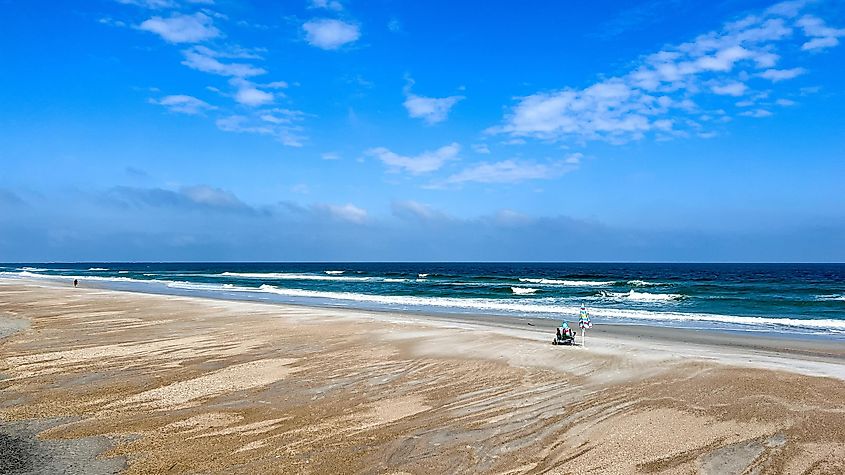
[347, 212]
[734, 88]
[201, 60]
[151, 4]
[822, 35]
[776, 75]
[514, 171]
[757, 113]
[182, 28]
[281, 128]
[330, 156]
[430, 109]
[249, 95]
[230, 52]
[240, 123]
[327, 4]
[183, 104]
[671, 86]
[330, 34]
[253, 97]
[425, 162]
[210, 196]
[785, 102]
[111, 22]
[481, 148]
[414, 210]
[273, 119]
[574, 158]
[161, 4]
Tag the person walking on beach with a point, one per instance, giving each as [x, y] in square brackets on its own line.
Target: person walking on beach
[75, 282]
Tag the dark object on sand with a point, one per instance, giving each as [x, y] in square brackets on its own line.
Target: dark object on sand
[75, 282]
[564, 336]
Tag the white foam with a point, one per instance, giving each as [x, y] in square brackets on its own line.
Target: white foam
[201, 286]
[523, 290]
[840, 297]
[520, 306]
[97, 268]
[568, 283]
[642, 296]
[334, 272]
[32, 269]
[292, 276]
[422, 276]
[388, 279]
[643, 283]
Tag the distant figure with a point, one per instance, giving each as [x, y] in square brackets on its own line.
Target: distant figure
[75, 282]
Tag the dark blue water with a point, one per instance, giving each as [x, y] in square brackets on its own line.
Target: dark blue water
[796, 298]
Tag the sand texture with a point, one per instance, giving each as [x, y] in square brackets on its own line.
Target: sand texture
[161, 384]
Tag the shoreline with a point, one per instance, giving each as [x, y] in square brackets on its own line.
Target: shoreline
[801, 347]
[778, 325]
[188, 384]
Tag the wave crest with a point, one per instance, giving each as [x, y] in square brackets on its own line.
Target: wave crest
[568, 283]
[642, 296]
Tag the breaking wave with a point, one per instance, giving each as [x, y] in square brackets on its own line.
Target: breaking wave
[831, 297]
[519, 306]
[568, 283]
[642, 296]
[523, 290]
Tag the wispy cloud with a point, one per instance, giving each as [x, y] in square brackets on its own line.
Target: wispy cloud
[733, 88]
[425, 162]
[183, 104]
[430, 109]
[205, 60]
[414, 210]
[334, 5]
[330, 34]
[208, 52]
[515, 171]
[777, 75]
[201, 197]
[180, 28]
[151, 4]
[270, 123]
[347, 212]
[668, 92]
[756, 113]
[822, 36]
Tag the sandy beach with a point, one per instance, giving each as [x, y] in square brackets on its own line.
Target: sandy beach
[101, 381]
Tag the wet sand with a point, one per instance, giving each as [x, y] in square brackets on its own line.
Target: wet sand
[163, 384]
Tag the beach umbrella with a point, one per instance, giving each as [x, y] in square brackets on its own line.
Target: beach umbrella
[584, 322]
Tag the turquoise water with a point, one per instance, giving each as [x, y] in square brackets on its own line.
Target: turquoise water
[788, 298]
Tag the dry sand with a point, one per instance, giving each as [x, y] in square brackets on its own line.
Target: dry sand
[163, 384]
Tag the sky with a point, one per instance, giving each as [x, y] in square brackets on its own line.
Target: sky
[391, 130]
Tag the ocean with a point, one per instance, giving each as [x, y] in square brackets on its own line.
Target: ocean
[789, 299]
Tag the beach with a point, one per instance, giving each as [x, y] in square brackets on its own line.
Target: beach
[130, 382]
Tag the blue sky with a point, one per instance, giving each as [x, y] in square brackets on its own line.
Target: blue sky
[656, 130]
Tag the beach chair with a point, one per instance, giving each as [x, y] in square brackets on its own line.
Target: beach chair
[564, 336]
